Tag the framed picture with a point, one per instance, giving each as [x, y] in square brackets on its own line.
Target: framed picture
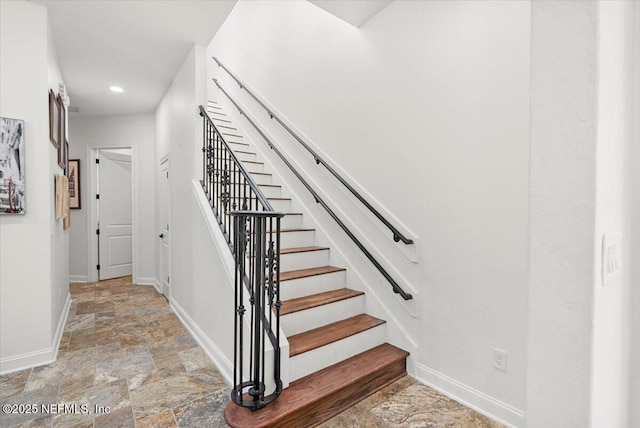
[12, 187]
[61, 132]
[54, 120]
[74, 184]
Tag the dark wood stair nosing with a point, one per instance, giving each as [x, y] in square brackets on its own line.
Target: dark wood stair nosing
[297, 250]
[309, 272]
[327, 334]
[300, 304]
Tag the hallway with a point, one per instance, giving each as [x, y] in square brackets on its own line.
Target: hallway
[124, 349]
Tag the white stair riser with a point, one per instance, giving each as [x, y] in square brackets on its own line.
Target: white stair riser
[235, 145]
[309, 319]
[281, 205]
[291, 222]
[231, 136]
[308, 362]
[245, 156]
[304, 260]
[261, 178]
[271, 191]
[215, 113]
[221, 120]
[249, 166]
[301, 287]
[227, 128]
[304, 238]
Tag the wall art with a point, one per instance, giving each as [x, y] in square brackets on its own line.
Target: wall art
[74, 184]
[54, 120]
[12, 168]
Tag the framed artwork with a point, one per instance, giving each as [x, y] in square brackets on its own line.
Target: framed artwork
[74, 184]
[54, 120]
[61, 133]
[12, 186]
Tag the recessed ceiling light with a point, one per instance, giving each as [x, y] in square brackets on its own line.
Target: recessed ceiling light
[117, 89]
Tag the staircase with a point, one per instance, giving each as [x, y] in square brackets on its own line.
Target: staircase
[338, 354]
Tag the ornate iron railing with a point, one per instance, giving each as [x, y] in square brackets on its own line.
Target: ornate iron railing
[252, 231]
[397, 235]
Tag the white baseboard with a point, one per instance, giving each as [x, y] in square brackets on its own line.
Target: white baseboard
[470, 397]
[156, 284]
[38, 358]
[220, 360]
[78, 278]
[145, 280]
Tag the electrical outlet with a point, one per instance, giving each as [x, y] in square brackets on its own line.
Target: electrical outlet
[500, 359]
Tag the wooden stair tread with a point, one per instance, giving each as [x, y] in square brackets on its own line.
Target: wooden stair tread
[301, 250]
[315, 300]
[304, 273]
[321, 336]
[318, 397]
[296, 230]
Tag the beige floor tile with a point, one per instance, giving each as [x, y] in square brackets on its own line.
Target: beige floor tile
[124, 348]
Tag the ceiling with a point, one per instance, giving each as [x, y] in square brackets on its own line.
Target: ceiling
[138, 45]
[355, 12]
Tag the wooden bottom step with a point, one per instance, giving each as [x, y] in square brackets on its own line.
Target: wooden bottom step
[316, 398]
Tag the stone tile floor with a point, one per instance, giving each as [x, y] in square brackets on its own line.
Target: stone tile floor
[124, 349]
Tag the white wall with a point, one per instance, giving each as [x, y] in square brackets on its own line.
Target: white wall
[563, 141]
[31, 300]
[426, 108]
[635, 246]
[95, 132]
[60, 237]
[198, 278]
[612, 301]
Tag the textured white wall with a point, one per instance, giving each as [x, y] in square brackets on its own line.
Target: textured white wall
[31, 299]
[60, 237]
[138, 132]
[612, 301]
[200, 287]
[426, 108]
[563, 141]
[634, 409]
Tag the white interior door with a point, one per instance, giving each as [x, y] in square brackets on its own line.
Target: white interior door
[115, 215]
[165, 263]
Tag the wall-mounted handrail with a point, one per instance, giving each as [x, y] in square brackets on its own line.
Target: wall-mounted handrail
[397, 235]
[252, 231]
[396, 287]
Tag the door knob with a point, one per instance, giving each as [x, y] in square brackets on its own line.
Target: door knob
[161, 235]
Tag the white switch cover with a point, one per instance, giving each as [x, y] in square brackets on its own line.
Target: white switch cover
[611, 257]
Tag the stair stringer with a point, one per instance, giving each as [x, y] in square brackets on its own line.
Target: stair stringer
[401, 316]
[226, 365]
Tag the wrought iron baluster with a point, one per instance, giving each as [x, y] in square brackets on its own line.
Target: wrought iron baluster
[252, 240]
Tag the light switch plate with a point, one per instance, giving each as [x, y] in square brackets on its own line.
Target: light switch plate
[611, 257]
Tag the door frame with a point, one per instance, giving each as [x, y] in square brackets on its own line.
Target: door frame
[92, 210]
[166, 158]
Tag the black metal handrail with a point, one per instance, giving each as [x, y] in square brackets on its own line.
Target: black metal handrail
[397, 235]
[396, 287]
[252, 231]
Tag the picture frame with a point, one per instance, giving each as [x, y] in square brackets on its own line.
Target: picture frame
[61, 132]
[12, 167]
[54, 120]
[74, 184]
[66, 157]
